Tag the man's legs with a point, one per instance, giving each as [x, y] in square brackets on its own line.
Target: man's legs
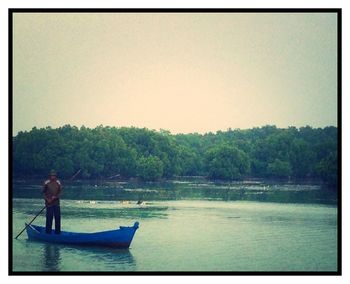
[49, 218]
[57, 214]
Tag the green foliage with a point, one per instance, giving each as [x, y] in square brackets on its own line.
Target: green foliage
[279, 169]
[65, 165]
[226, 162]
[327, 168]
[105, 152]
[150, 168]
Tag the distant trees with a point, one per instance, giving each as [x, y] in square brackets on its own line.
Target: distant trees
[150, 168]
[226, 162]
[279, 169]
[327, 169]
[265, 152]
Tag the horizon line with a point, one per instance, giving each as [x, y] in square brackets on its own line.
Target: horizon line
[171, 132]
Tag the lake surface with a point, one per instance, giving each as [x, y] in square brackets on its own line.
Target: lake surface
[186, 226]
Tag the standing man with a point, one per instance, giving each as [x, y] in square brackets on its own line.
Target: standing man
[52, 191]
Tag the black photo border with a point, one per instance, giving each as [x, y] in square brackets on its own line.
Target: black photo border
[337, 11]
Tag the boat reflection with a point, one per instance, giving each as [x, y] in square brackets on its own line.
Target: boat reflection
[113, 259]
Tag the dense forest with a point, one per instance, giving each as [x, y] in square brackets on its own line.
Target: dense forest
[110, 152]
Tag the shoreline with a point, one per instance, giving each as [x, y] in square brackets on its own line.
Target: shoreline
[248, 180]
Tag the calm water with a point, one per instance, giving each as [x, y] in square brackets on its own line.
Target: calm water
[186, 227]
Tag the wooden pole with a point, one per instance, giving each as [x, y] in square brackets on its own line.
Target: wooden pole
[31, 222]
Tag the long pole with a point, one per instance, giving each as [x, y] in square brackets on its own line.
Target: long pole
[75, 175]
[31, 222]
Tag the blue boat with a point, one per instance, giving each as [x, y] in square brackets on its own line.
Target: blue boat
[119, 238]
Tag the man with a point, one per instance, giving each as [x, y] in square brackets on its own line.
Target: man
[52, 191]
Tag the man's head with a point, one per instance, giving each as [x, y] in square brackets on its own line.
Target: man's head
[53, 175]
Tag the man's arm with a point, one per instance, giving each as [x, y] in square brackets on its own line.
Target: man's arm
[47, 198]
[59, 189]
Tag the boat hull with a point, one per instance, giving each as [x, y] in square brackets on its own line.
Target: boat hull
[120, 238]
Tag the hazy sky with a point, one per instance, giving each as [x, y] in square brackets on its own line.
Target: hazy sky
[180, 72]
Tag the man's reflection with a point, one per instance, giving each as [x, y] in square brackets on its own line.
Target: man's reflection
[52, 259]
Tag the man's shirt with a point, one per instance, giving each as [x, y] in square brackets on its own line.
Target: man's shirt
[52, 188]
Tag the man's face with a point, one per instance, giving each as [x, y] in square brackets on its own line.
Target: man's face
[52, 177]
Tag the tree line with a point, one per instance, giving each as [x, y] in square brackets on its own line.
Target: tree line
[126, 152]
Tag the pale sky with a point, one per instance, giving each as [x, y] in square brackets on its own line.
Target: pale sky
[179, 72]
